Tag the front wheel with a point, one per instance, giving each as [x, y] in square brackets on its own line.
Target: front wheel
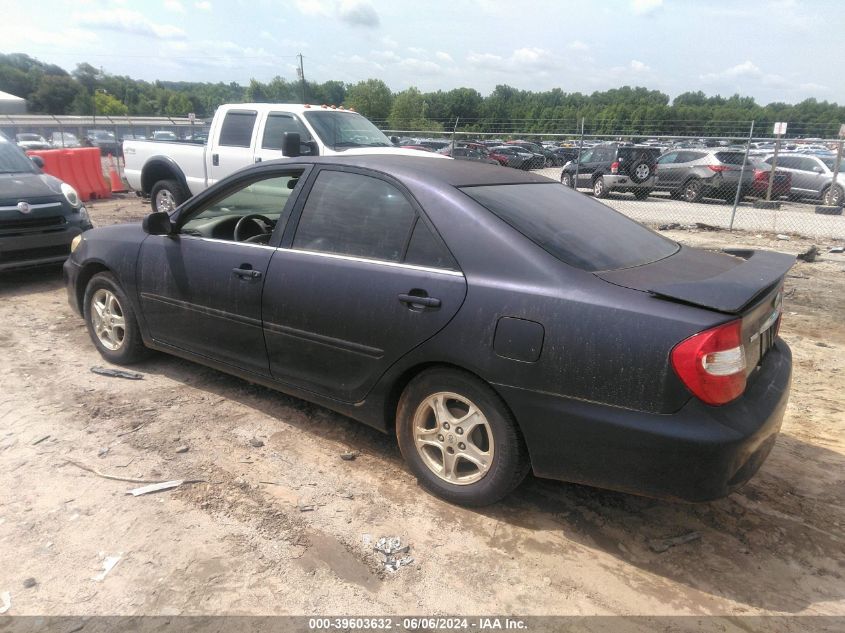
[166, 195]
[693, 191]
[459, 438]
[111, 321]
[641, 194]
[567, 180]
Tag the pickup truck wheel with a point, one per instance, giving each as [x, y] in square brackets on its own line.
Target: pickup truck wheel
[459, 438]
[111, 321]
[166, 195]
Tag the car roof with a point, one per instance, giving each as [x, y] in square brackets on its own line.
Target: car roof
[457, 173]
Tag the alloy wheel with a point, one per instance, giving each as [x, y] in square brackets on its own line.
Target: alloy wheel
[107, 319]
[165, 201]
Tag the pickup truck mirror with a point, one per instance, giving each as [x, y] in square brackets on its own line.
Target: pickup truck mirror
[394, 140]
[157, 223]
[291, 144]
[39, 162]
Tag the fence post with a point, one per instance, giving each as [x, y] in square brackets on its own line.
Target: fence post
[742, 173]
[774, 167]
[578, 159]
[454, 131]
[836, 168]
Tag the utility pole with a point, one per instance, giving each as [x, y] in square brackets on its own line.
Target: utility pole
[301, 72]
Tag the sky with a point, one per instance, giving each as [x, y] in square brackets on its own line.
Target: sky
[772, 50]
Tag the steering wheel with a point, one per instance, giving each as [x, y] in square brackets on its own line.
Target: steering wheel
[264, 224]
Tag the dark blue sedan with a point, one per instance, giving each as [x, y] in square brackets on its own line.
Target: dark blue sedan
[494, 320]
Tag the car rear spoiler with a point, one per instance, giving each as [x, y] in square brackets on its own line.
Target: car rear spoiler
[732, 290]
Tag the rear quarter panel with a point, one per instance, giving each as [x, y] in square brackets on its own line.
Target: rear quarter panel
[189, 157]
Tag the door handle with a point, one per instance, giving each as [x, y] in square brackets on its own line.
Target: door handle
[414, 300]
[258, 159]
[215, 160]
[246, 273]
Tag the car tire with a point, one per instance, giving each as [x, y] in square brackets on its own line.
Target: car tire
[833, 196]
[166, 195]
[599, 188]
[640, 172]
[430, 411]
[693, 190]
[567, 180]
[111, 321]
[641, 194]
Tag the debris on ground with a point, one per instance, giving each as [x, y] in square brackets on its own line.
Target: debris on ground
[29, 583]
[256, 443]
[390, 548]
[103, 451]
[349, 456]
[661, 545]
[783, 237]
[306, 507]
[131, 480]
[701, 226]
[182, 449]
[108, 564]
[809, 255]
[164, 485]
[6, 598]
[668, 227]
[117, 373]
[41, 439]
[837, 249]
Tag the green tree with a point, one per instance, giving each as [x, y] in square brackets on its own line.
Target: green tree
[178, 105]
[108, 105]
[55, 95]
[372, 98]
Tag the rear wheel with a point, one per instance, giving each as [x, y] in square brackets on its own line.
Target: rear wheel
[833, 196]
[693, 190]
[459, 438]
[166, 195]
[641, 194]
[599, 188]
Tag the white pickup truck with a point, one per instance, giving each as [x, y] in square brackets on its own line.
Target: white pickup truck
[241, 134]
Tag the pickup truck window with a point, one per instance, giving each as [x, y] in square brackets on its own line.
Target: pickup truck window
[237, 127]
[352, 214]
[279, 123]
[341, 130]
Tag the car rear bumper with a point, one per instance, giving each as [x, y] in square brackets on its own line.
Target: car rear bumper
[621, 182]
[696, 454]
[36, 249]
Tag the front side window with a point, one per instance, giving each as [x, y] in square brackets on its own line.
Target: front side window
[667, 158]
[237, 127]
[277, 124]
[356, 215]
[578, 231]
[266, 198]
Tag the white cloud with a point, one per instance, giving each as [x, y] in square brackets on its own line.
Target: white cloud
[416, 50]
[358, 13]
[745, 69]
[128, 21]
[578, 45]
[203, 5]
[444, 57]
[389, 42]
[638, 66]
[643, 7]
[314, 7]
[419, 66]
[174, 6]
[528, 59]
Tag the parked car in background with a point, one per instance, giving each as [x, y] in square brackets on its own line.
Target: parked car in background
[565, 154]
[421, 148]
[40, 215]
[694, 174]
[28, 140]
[63, 139]
[613, 167]
[812, 177]
[164, 135]
[502, 159]
[539, 152]
[464, 290]
[517, 157]
[465, 153]
[105, 140]
[781, 185]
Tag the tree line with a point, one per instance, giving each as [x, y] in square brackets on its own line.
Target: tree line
[49, 89]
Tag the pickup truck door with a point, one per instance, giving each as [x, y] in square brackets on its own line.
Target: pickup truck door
[271, 132]
[231, 145]
[200, 289]
[360, 281]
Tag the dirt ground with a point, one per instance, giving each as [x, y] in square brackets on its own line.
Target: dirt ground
[283, 527]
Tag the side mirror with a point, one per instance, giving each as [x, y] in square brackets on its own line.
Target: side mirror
[291, 144]
[39, 162]
[157, 223]
[817, 169]
[313, 148]
[394, 140]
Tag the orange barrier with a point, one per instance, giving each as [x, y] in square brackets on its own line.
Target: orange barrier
[79, 167]
[114, 177]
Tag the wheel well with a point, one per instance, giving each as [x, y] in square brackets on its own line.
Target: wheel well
[154, 172]
[88, 271]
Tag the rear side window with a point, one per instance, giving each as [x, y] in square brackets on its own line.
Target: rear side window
[578, 231]
[237, 129]
[356, 215]
[425, 250]
[730, 158]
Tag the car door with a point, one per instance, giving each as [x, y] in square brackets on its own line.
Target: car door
[360, 280]
[272, 134]
[200, 289]
[792, 164]
[813, 174]
[584, 169]
[234, 142]
[666, 176]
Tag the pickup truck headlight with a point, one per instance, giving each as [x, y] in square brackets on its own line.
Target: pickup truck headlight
[70, 195]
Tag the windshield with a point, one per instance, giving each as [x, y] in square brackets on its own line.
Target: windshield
[578, 231]
[14, 161]
[830, 161]
[342, 130]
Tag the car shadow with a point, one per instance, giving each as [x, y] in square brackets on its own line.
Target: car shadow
[25, 281]
[771, 545]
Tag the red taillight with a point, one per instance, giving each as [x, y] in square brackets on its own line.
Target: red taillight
[719, 168]
[712, 363]
[761, 175]
[614, 167]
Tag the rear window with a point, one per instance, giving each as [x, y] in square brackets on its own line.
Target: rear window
[577, 230]
[236, 130]
[730, 158]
